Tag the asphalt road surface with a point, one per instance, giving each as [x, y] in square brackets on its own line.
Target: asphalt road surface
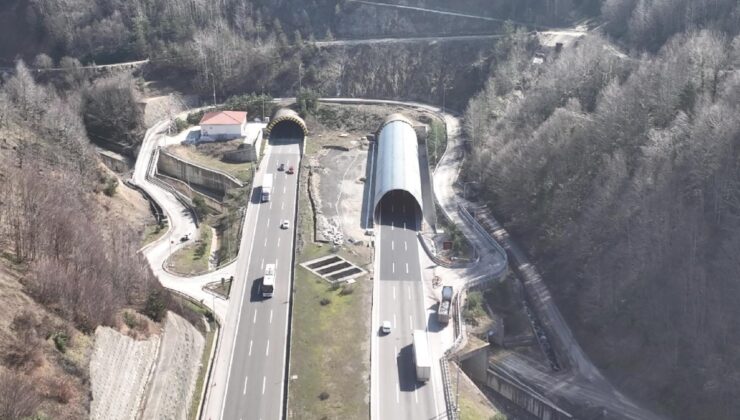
[255, 384]
[400, 301]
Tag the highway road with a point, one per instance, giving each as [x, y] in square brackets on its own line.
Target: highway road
[256, 371]
[400, 300]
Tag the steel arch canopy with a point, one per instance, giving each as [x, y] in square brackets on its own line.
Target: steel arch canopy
[398, 160]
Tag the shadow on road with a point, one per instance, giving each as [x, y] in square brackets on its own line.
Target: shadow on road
[255, 295]
[432, 324]
[406, 369]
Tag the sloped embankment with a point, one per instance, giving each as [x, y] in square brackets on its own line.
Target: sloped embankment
[119, 370]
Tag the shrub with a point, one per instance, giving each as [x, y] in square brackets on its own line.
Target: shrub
[325, 301]
[324, 396]
[181, 124]
[201, 208]
[195, 117]
[156, 305]
[111, 185]
[346, 290]
[61, 340]
[130, 320]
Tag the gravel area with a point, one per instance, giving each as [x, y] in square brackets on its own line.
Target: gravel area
[119, 370]
[171, 389]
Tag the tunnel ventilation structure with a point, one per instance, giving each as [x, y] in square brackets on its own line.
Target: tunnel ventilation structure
[287, 120]
[397, 167]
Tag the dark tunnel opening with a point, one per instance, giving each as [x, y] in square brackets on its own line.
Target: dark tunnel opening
[399, 208]
[286, 130]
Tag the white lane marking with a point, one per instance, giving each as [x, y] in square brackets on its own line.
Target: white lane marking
[393, 267]
[270, 316]
[284, 189]
[270, 205]
[262, 264]
[267, 350]
[411, 322]
[265, 241]
[241, 303]
[394, 292]
[398, 388]
[282, 206]
[405, 246]
[250, 347]
[393, 245]
[264, 379]
[254, 320]
[278, 245]
[407, 268]
[246, 378]
[268, 222]
[392, 225]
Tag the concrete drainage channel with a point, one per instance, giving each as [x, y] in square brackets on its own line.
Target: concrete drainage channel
[333, 268]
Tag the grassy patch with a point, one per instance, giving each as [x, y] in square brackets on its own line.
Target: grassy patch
[153, 232]
[203, 372]
[327, 351]
[208, 155]
[193, 258]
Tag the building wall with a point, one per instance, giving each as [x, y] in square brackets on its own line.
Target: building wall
[191, 173]
[235, 130]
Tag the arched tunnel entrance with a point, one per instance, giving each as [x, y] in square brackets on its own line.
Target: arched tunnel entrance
[399, 209]
[286, 127]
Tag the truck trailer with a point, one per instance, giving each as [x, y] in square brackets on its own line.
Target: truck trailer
[422, 359]
[266, 187]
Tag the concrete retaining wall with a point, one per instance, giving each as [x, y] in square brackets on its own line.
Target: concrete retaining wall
[192, 173]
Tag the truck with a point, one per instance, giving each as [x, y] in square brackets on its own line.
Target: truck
[268, 281]
[266, 187]
[445, 305]
[422, 359]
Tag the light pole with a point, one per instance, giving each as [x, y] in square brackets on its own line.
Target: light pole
[465, 188]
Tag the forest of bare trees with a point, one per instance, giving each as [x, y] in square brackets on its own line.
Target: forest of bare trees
[621, 177]
[80, 265]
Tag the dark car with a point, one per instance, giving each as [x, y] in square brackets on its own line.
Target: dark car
[290, 170]
[281, 167]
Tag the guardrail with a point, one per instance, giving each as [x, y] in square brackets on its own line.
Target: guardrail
[469, 217]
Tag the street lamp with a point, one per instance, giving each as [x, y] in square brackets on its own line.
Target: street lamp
[465, 188]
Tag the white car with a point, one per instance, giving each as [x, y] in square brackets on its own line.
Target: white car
[285, 224]
[385, 328]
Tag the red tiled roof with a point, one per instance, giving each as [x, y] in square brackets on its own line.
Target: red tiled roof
[223, 118]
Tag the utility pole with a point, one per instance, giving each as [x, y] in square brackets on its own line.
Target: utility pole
[213, 79]
[300, 76]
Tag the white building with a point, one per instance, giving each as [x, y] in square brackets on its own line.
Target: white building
[223, 125]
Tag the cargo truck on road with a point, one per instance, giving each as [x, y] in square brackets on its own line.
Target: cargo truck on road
[445, 305]
[267, 288]
[422, 359]
[266, 187]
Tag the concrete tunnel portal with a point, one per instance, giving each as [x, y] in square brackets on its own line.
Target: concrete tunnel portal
[397, 174]
[286, 124]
